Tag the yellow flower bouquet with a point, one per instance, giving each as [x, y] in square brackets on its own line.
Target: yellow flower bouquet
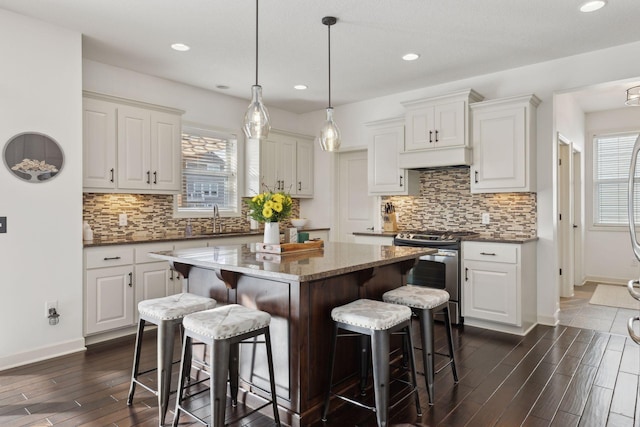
[270, 207]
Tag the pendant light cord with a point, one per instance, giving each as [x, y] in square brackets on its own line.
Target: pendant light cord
[256, 42]
[329, 39]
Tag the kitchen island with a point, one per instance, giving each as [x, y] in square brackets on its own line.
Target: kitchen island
[298, 290]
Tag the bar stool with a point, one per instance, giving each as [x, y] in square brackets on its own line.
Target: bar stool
[166, 313]
[424, 303]
[224, 329]
[377, 320]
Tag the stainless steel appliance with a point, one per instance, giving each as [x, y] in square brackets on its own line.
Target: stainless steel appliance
[632, 230]
[440, 270]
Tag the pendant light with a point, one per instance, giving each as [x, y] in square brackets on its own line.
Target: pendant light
[256, 120]
[329, 133]
[633, 96]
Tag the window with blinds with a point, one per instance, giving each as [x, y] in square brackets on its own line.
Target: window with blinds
[611, 163]
[209, 172]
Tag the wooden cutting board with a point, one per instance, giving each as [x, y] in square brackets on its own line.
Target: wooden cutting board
[284, 248]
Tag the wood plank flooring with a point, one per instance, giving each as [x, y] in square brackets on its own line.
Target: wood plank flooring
[562, 376]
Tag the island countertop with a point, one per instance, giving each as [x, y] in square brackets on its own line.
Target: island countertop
[334, 259]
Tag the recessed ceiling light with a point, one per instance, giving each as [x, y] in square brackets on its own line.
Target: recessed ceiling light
[411, 57]
[593, 5]
[222, 87]
[180, 47]
[300, 87]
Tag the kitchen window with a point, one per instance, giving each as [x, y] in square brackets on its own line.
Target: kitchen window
[209, 173]
[611, 162]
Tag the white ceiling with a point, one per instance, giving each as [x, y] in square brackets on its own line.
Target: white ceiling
[456, 39]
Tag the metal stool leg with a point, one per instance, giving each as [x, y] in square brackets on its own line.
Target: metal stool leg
[272, 378]
[185, 366]
[136, 361]
[166, 331]
[412, 365]
[380, 359]
[234, 361]
[219, 363]
[426, 332]
[447, 326]
[327, 397]
[364, 362]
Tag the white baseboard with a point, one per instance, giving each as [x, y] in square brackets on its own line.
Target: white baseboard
[548, 320]
[42, 353]
[606, 280]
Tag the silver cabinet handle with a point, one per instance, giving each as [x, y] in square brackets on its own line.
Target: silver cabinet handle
[487, 253]
[436, 136]
[109, 258]
[430, 138]
[400, 180]
[130, 280]
[632, 291]
[299, 185]
[476, 176]
[148, 177]
[155, 177]
[632, 334]
[112, 170]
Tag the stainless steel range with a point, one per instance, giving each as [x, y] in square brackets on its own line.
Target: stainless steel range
[442, 269]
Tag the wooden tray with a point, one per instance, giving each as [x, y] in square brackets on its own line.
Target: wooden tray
[286, 248]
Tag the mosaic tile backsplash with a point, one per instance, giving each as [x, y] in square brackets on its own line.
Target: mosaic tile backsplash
[446, 202]
[152, 215]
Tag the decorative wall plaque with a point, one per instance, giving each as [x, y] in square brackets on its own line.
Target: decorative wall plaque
[33, 157]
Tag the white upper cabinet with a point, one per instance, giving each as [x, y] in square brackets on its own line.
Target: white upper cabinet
[504, 145]
[282, 162]
[99, 150]
[130, 146]
[385, 141]
[438, 131]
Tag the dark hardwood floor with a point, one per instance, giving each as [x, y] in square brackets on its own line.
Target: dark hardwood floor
[560, 376]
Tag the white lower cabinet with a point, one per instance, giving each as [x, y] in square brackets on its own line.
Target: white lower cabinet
[109, 294]
[499, 286]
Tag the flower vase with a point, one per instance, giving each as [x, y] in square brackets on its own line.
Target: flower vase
[272, 233]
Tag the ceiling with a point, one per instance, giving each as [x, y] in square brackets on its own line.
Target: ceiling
[455, 38]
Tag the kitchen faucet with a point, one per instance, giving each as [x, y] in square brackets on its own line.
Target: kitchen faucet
[216, 218]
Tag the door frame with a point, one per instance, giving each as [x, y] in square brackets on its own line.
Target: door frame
[566, 194]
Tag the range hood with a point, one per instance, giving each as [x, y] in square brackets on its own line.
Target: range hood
[422, 159]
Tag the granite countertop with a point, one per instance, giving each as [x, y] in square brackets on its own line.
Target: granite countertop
[501, 238]
[147, 238]
[334, 259]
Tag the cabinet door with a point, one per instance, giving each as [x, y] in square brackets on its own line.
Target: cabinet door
[491, 292]
[499, 149]
[420, 129]
[152, 281]
[269, 165]
[166, 171]
[385, 177]
[109, 299]
[304, 169]
[287, 163]
[134, 148]
[449, 126]
[99, 144]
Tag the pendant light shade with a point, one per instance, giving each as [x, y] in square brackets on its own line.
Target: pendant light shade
[256, 121]
[329, 133]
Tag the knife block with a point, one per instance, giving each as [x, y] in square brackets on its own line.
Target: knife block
[389, 222]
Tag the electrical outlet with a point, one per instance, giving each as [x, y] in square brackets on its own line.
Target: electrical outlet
[486, 218]
[122, 219]
[49, 305]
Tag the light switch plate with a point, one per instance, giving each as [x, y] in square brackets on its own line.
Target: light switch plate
[122, 219]
[486, 218]
[3, 224]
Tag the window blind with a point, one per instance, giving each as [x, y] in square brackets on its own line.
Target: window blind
[611, 161]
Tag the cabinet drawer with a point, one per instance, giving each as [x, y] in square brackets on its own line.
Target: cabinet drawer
[143, 250]
[108, 257]
[491, 252]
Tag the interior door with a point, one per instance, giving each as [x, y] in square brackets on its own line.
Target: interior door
[356, 208]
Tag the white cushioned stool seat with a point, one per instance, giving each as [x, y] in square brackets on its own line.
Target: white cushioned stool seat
[174, 306]
[417, 296]
[226, 321]
[366, 313]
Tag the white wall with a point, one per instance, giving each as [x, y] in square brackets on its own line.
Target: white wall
[41, 255]
[608, 252]
[542, 79]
